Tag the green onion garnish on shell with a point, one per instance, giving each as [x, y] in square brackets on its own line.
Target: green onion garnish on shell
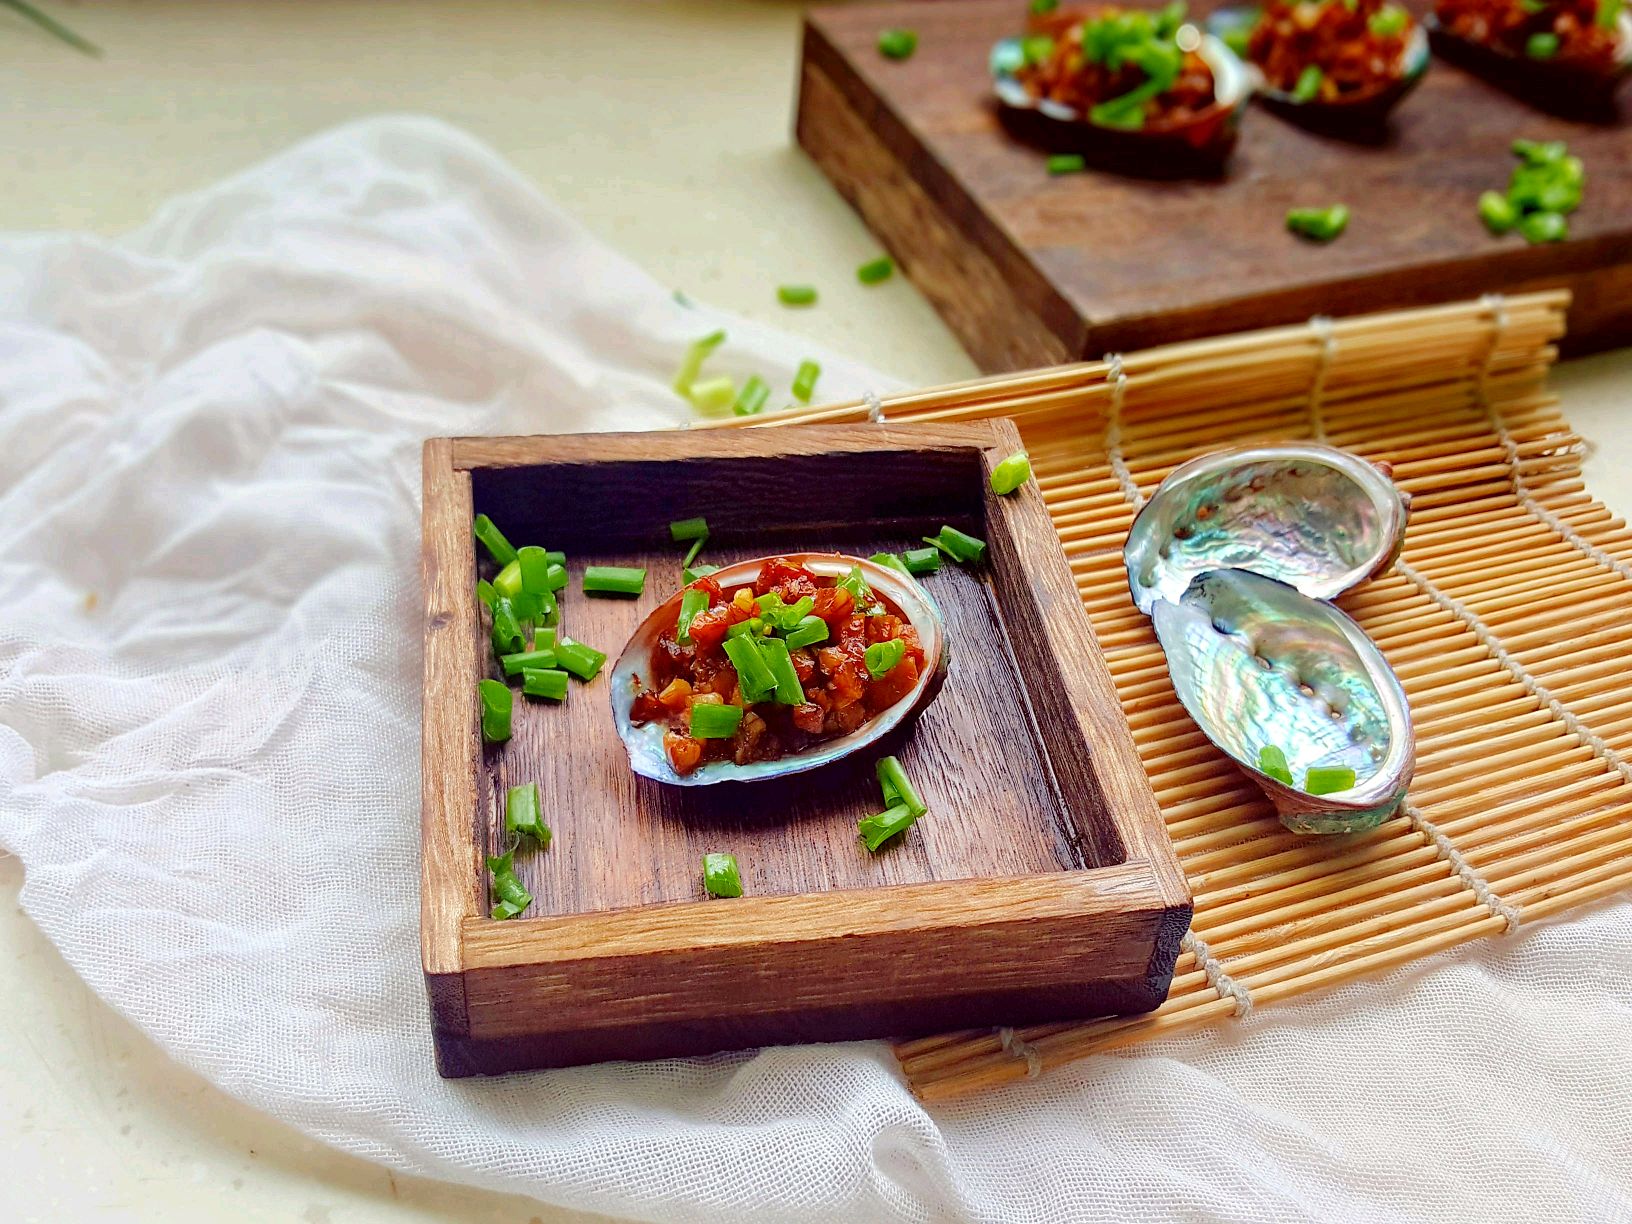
[788, 689]
[713, 721]
[808, 632]
[891, 561]
[1272, 761]
[883, 657]
[1328, 779]
[692, 603]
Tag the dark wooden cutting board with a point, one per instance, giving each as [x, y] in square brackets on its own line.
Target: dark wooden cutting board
[1032, 270]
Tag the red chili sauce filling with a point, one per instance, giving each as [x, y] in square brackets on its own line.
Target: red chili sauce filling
[840, 693]
[1065, 75]
[1355, 61]
[1508, 25]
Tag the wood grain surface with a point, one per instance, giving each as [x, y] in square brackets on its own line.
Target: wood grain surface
[1030, 269]
[1016, 895]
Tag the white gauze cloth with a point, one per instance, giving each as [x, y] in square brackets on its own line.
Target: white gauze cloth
[210, 771]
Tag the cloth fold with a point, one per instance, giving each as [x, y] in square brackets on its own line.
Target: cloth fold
[209, 677]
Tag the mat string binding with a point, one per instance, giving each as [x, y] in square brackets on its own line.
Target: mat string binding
[875, 407]
[1321, 325]
[1018, 1047]
[1113, 432]
[1226, 986]
[1511, 915]
[1497, 305]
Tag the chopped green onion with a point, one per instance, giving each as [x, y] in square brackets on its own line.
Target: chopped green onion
[1544, 227]
[1328, 779]
[1318, 224]
[710, 721]
[1609, 12]
[796, 295]
[539, 656]
[692, 364]
[493, 540]
[555, 558]
[892, 779]
[551, 609]
[714, 396]
[897, 44]
[521, 814]
[808, 632]
[752, 625]
[754, 394]
[1309, 83]
[691, 573]
[507, 635]
[753, 674]
[890, 561]
[682, 530]
[496, 705]
[691, 553]
[1036, 48]
[614, 579]
[1388, 21]
[555, 577]
[789, 691]
[692, 603]
[512, 894]
[876, 830]
[1534, 6]
[1497, 212]
[875, 270]
[804, 381]
[856, 584]
[1067, 163]
[544, 682]
[883, 657]
[507, 581]
[790, 616]
[534, 564]
[486, 593]
[1272, 761]
[1541, 46]
[1238, 39]
[720, 875]
[527, 608]
[1539, 152]
[960, 546]
[1039, 7]
[1011, 473]
[582, 661]
[923, 561]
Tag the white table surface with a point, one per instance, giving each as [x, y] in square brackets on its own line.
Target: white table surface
[665, 128]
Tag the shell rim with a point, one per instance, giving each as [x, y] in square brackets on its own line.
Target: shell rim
[893, 583]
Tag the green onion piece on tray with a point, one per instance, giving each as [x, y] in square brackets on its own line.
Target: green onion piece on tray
[876, 830]
[493, 540]
[804, 381]
[690, 573]
[496, 705]
[692, 603]
[682, 530]
[1067, 163]
[714, 396]
[551, 608]
[796, 295]
[521, 814]
[614, 580]
[534, 564]
[891, 561]
[1011, 473]
[897, 44]
[1318, 224]
[875, 271]
[541, 655]
[1497, 212]
[1327, 779]
[788, 689]
[922, 561]
[528, 607]
[710, 721]
[883, 657]
[507, 582]
[959, 545]
[486, 593]
[1541, 46]
[555, 577]
[892, 779]
[808, 632]
[1544, 227]
[1308, 84]
[753, 673]
[544, 682]
[691, 553]
[752, 399]
[750, 627]
[1272, 761]
[720, 875]
[585, 662]
[692, 364]
[506, 887]
[555, 557]
[507, 635]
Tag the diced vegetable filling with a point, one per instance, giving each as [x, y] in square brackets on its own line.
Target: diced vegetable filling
[790, 651]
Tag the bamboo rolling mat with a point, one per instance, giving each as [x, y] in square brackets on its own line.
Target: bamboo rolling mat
[1508, 619]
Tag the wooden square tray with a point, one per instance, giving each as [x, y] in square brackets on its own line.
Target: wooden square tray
[1034, 270]
[1040, 886]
